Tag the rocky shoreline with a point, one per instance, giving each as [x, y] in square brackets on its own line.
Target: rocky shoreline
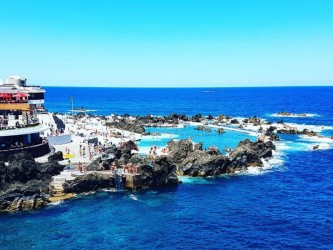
[25, 184]
[137, 124]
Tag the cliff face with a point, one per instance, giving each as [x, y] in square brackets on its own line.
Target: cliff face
[156, 173]
[89, 182]
[249, 154]
[24, 182]
[192, 160]
[160, 173]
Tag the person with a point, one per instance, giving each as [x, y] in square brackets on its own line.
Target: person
[84, 168]
[113, 166]
[68, 167]
[80, 167]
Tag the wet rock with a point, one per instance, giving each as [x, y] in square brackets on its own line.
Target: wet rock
[271, 133]
[234, 121]
[249, 154]
[193, 161]
[294, 131]
[161, 172]
[123, 125]
[13, 202]
[152, 134]
[89, 182]
[179, 150]
[203, 128]
[220, 130]
[197, 118]
[203, 163]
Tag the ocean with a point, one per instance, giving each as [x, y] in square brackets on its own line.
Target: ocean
[288, 205]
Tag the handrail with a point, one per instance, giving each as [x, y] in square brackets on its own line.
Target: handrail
[24, 147]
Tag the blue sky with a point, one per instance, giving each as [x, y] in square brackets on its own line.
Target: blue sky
[168, 43]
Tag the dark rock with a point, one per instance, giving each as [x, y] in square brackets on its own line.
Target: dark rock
[198, 146]
[161, 172]
[152, 134]
[210, 117]
[129, 145]
[220, 130]
[136, 159]
[203, 163]
[57, 156]
[136, 128]
[288, 131]
[197, 118]
[203, 128]
[97, 165]
[194, 161]
[271, 129]
[249, 154]
[294, 131]
[89, 182]
[180, 150]
[26, 180]
[271, 134]
[255, 121]
[60, 124]
[234, 121]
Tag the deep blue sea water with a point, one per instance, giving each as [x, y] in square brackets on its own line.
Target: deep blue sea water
[287, 207]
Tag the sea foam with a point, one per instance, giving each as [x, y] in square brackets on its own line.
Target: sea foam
[306, 115]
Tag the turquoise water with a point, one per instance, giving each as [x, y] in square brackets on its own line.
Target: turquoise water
[289, 206]
[230, 139]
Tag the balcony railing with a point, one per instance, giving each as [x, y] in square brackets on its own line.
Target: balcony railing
[12, 123]
[35, 150]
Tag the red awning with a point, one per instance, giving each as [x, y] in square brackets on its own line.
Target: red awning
[5, 95]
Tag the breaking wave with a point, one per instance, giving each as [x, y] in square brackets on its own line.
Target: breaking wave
[303, 115]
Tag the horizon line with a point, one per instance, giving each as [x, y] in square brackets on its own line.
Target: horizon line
[185, 87]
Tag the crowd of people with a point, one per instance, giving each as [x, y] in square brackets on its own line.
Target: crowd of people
[128, 168]
[55, 131]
